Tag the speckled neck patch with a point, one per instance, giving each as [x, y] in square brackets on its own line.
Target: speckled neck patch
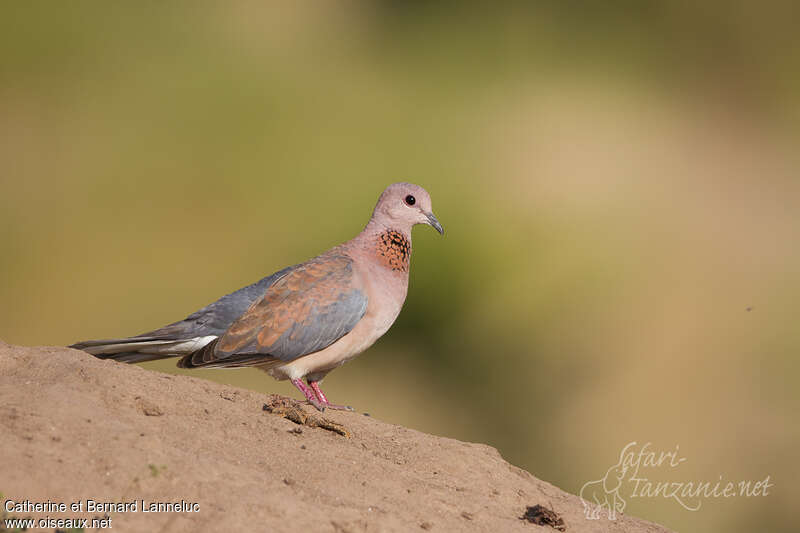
[394, 250]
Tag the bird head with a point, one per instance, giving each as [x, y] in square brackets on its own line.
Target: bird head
[404, 205]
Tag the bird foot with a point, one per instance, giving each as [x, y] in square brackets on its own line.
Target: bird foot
[316, 397]
[320, 396]
[321, 406]
[336, 407]
[318, 405]
[310, 395]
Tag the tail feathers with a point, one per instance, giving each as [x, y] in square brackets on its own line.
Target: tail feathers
[205, 357]
[134, 357]
[139, 349]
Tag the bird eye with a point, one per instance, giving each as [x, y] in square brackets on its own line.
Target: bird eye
[410, 200]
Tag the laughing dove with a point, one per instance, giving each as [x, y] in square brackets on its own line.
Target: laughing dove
[305, 320]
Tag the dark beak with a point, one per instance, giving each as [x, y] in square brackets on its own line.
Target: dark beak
[434, 223]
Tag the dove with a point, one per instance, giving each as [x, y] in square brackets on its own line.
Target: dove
[301, 322]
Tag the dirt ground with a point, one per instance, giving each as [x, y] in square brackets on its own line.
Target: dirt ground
[74, 428]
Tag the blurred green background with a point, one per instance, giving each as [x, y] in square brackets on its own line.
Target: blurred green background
[618, 183]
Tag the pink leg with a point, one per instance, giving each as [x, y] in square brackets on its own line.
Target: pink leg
[324, 401]
[309, 394]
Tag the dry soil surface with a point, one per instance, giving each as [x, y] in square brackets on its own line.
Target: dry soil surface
[74, 428]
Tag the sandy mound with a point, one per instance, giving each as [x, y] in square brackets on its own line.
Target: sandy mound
[75, 428]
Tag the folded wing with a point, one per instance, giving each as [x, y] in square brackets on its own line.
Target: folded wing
[312, 306]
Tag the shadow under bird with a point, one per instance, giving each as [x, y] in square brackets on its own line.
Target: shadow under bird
[305, 320]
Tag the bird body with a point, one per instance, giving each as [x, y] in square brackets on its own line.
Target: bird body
[305, 320]
[387, 288]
